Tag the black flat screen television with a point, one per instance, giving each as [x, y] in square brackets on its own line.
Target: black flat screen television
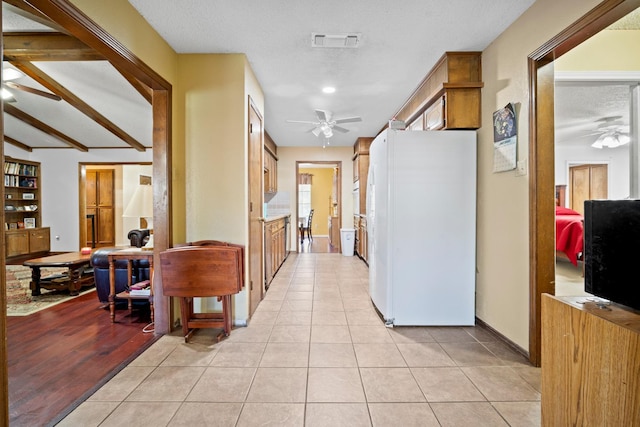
[612, 250]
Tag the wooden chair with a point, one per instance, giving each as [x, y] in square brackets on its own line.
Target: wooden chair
[307, 228]
[214, 270]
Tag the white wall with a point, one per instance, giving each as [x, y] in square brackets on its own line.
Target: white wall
[617, 160]
[60, 185]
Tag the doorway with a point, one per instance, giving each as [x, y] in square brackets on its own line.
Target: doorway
[256, 197]
[541, 155]
[105, 191]
[318, 188]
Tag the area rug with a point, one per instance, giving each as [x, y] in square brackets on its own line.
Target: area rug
[19, 299]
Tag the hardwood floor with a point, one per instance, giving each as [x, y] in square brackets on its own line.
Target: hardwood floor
[59, 356]
[318, 245]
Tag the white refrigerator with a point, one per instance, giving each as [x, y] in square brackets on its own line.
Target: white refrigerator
[421, 226]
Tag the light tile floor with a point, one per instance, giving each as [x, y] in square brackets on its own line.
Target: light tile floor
[316, 354]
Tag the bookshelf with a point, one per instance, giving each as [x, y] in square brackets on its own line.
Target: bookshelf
[22, 209]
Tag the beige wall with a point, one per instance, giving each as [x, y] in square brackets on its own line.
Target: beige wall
[320, 197]
[287, 157]
[502, 298]
[213, 103]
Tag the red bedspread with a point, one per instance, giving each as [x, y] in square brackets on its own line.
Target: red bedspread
[569, 233]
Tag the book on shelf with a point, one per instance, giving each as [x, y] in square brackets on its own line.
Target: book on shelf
[140, 292]
[15, 168]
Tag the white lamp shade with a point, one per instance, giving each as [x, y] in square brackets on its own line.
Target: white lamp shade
[141, 204]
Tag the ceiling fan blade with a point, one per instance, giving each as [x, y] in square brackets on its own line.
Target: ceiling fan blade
[316, 131]
[302, 121]
[348, 120]
[32, 90]
[340, 129]
[322, 115]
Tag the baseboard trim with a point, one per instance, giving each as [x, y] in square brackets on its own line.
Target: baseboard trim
[515, 347]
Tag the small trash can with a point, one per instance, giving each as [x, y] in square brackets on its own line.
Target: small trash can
[347, 239]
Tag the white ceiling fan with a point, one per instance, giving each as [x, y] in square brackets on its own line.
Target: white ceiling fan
[8, 75]
[326, 124]
[611, 131]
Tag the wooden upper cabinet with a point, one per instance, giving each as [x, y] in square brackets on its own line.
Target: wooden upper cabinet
[449, 97]
[361, 169]
[270, 165]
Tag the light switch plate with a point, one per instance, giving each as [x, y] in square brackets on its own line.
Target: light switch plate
[521, 167]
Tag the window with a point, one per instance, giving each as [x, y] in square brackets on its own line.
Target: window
[304, 200]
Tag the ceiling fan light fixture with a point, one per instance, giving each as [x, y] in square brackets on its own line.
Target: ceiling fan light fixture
[611, 141]
[9, 74]
[6, 95]
[326, 130]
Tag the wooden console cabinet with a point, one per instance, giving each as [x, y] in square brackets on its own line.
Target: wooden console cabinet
[590, 364]
[24, 234]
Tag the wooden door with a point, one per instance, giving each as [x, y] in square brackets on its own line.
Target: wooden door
[587, 182]
[256, 186]
[100, 202]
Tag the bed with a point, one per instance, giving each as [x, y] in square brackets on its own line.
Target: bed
[569, 234]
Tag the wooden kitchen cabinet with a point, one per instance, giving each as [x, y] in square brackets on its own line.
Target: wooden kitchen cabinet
[449, 97]
[275, 246]
[334, 232]
[362, 241]
[270, 165]
[361, 171]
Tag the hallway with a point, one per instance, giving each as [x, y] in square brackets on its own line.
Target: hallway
[317, 354]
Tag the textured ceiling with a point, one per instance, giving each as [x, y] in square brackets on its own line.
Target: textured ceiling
[401, 41]
[397, 48]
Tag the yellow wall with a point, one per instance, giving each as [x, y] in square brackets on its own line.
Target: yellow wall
[320, 197]
[502, 295]
[609, 50]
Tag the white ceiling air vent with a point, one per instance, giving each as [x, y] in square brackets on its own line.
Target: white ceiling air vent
[347, 40]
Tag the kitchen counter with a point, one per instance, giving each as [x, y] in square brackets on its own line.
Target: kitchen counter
[270, 218]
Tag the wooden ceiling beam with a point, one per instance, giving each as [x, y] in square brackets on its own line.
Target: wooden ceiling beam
[43, 127]
[17, 143]
[142, 89]
[31, 46]
[47, 81]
